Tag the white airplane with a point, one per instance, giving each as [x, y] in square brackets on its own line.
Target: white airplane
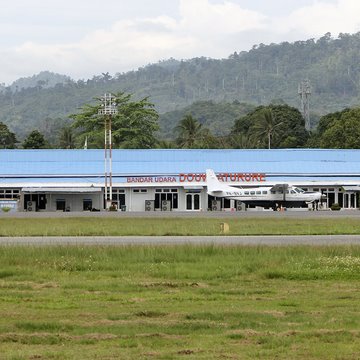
[266, 196]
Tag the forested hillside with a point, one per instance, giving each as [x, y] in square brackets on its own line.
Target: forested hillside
[258, 77]
[217, 117]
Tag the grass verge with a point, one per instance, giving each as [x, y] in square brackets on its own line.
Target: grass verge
[175, 226]
[198, 302]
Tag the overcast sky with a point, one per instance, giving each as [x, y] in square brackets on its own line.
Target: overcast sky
[82, 38]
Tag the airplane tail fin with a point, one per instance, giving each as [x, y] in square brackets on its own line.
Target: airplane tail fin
[212, 182]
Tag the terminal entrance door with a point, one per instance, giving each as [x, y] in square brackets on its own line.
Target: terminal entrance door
[193, 201]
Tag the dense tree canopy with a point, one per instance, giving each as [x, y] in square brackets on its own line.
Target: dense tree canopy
[133, 127]
[35, 140]
[7, 138]
[282, 124]
[339, 130]
[217, 117]
[258, 76]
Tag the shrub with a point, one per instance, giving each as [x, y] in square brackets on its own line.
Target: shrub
[6, 209]
[335, 207]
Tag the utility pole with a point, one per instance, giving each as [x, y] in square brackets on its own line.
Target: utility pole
[108, 108]
[304, 92]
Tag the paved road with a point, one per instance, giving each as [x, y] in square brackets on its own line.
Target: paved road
[295, 213]
[178, 240]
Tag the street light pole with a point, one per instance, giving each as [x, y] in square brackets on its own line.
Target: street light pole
[108, 108]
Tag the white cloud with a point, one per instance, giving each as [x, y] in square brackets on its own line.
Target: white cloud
[322, 17]
[199, 16]
[201, 28]
[129, 44]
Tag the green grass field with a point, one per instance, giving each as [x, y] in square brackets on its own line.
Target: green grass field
[176, 302]
[175, 226]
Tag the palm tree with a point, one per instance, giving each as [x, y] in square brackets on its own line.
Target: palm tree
[190, 132]
[242, 141]
[66, 138]
[267, 124]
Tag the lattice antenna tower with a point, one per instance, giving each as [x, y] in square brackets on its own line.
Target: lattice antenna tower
[305, 93]
[108, 108]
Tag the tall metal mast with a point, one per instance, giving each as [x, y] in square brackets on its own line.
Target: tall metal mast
[108, 108]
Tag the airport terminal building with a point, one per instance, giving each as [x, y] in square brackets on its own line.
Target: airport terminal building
[168, 179]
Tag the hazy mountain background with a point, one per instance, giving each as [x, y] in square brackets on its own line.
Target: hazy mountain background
[216, 92]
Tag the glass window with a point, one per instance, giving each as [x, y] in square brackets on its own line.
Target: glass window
[140, 190]
[175, 201]
[188, 202]
[196, 202]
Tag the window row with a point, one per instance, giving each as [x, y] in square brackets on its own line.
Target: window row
[9, 193]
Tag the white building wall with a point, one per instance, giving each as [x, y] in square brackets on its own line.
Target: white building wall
[73, 201]
[137, 198]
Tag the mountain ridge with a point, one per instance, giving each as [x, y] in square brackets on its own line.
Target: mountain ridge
[262, 75]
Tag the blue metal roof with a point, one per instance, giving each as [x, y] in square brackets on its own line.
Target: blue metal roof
[90, 163]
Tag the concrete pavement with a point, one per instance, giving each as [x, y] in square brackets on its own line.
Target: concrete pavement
[273, 240]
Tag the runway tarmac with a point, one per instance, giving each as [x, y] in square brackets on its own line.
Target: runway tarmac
[196, 240]
[273, 240]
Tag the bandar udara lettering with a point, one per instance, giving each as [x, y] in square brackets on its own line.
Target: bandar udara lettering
[149, 179]
[194, 177]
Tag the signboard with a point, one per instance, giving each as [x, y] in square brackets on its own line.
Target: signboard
[8, 204]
